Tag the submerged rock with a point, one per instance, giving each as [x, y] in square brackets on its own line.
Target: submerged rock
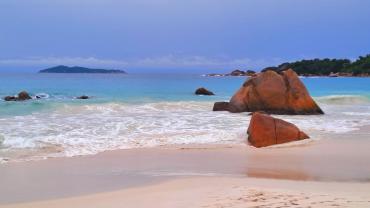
[276, 93]
[264, 130]
[83, 97]
[203, 91]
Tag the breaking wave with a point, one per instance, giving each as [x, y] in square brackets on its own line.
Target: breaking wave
[83, 129]
[344, 99]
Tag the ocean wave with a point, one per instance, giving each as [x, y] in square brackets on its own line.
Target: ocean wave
[344, 99]
[89, 128]
[92, 128]
[1, 140]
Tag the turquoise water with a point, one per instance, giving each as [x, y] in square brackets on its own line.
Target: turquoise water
[133, 111]
[62, 88]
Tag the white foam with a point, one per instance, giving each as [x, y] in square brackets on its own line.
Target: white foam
[41, 96]
[93, 128]
[1, 140]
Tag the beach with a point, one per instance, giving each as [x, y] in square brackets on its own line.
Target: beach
[184, 104]
[123, 113]
[330, 173]
[138, 145]
[222, 192]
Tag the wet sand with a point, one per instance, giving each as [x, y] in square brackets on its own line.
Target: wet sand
[318, 164]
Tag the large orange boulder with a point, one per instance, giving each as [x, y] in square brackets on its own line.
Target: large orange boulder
[274, 92]
[264, 130]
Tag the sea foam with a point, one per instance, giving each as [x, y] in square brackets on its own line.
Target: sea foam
[82, 129]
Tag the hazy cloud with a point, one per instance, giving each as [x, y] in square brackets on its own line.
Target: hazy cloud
[168, 61]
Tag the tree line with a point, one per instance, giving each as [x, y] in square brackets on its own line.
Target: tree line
[324, 67]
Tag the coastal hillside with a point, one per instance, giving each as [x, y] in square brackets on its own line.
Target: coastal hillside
[325, 67]
[316, 67]
[78, 69]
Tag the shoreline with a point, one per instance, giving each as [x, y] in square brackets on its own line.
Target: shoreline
[343, 161]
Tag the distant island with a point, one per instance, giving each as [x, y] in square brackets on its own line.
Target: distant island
[318, 67]
[78, 69]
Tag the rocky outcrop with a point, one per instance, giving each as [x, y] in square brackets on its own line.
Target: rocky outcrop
[237, 73]
[203, 91]
[264, 130]
[22, 96]
[274, 92]
[250, 73]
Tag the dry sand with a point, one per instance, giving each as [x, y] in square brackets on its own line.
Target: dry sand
[216, 192]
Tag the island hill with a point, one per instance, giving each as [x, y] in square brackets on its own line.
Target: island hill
[78, 69]
[318, 67]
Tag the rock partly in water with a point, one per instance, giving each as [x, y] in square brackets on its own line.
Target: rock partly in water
[276, 93]
[83, 97]
[10, 98]
[221, 106]
[22, 96]
[203, 91]
[264, 130]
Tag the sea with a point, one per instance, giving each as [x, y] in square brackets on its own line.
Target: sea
[151, 110]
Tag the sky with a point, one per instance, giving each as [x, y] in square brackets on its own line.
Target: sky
[178, 35]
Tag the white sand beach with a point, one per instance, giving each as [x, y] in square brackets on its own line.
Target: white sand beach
[329, 173]
[217, 192]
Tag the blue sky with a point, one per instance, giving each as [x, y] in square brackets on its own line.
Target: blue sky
[174, 35]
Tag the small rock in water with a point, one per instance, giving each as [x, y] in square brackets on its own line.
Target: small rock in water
[203, 91]
[10, 98]
[221, 106]
[83, 97]
[22, 96]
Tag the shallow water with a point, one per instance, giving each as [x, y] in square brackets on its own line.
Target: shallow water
[131, 111]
